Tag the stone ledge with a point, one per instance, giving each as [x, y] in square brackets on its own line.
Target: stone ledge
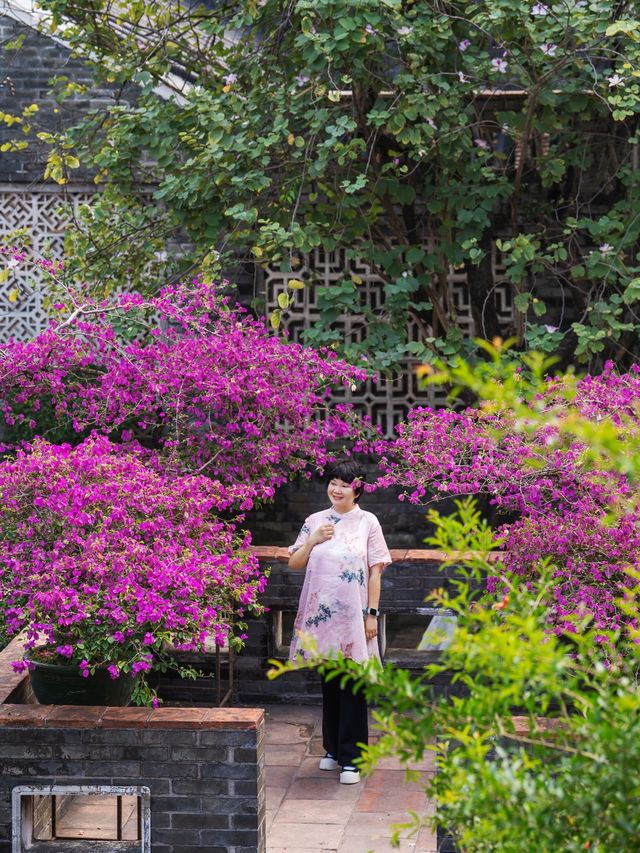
[99, 717]
[411, 555]
[90, 716]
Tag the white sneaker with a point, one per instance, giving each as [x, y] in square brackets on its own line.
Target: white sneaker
[328, 763]
[349, 776]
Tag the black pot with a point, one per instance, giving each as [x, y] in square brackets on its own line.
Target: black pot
[63, 684]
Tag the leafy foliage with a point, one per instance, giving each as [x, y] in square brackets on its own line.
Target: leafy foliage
[409, 133]
[536, 743]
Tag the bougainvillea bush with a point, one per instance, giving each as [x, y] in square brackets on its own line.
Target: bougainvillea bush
[109, 562]
[184, 373]
[581, 520]
[130, 428]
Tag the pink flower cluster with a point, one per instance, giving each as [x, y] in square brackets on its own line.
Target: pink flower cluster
[584, 522]
[181, 408]
[107, 560]
[193, 378]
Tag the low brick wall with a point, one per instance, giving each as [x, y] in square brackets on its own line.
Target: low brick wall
[204, 767]
[406, 583]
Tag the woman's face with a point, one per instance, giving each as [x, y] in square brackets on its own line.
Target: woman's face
[341, 495]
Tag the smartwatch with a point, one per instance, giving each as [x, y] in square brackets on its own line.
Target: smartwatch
[372, 611]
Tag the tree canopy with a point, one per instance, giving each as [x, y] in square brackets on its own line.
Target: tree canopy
[412, 134]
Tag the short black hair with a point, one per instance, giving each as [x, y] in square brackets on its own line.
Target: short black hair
[347, 470]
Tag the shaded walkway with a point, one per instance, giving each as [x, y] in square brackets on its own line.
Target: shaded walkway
[308, 809]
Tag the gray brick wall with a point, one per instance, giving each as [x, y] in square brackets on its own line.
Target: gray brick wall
[25, 75]
[405, 585]
[204, 767]
[404, 524]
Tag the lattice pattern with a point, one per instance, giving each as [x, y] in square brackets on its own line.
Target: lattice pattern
[388, 401]
[45, 214]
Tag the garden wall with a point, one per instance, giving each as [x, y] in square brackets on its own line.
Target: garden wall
[412, 576]
[199, 770]
[404, 524]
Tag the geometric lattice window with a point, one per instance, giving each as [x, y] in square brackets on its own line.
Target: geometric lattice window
[78, 818]
[45, 214]
[387, 401]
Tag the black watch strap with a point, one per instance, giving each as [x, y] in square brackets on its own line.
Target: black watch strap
[372, 611]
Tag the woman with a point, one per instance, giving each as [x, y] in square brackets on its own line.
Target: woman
[344, 552]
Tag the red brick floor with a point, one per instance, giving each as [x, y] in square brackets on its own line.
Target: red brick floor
[308, 809]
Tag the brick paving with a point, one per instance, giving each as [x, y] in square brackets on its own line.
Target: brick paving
[308, 809]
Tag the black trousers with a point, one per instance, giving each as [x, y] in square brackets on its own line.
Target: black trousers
[345, 722]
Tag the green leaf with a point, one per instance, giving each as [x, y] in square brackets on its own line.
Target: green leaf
[625, 27]
[632, 291]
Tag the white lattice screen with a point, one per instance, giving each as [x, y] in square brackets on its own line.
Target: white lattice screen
[45, 215]
[387, 401]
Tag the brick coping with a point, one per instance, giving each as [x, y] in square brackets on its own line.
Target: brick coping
[398, 555]
[97, 716]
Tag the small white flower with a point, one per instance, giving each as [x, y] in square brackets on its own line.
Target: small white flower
[605, 249]
[461, 77]
[482, 143]
[230, 79]
[463, 45]
[551, 329]
[540, 9]
[13, 263]
[549, 49]
[499, 65]
[301, 79]
[405, 31]
[615, 80]
[432, 124]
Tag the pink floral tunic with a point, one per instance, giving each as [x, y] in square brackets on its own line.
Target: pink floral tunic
[335, 587]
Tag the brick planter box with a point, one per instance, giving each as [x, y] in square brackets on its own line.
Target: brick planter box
[197, 772]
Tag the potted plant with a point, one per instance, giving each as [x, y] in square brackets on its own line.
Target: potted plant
[107, 563]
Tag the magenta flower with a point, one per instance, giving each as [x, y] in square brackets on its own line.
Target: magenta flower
[112, 552]
[561, 505]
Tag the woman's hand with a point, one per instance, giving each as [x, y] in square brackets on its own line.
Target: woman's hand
[322, 534]
[370, 627]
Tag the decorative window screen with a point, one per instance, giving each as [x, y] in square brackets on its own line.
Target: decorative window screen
[387, 401]
[42, 213]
